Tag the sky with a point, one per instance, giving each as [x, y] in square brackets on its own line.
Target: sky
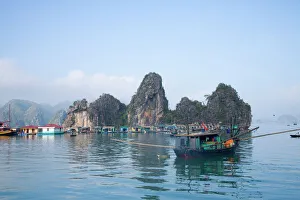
[58, 50]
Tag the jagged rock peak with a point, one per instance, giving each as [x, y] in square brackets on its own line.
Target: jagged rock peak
[78, 106]
[107, 110]
[77, 115]
[149, 103]
[224, 105]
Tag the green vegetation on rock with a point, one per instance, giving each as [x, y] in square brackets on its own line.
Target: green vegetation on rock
[107, 110]
[225, 106]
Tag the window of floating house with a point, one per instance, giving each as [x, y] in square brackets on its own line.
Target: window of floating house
[47, 129]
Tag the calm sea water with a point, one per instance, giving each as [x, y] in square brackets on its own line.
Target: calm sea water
[93, 166]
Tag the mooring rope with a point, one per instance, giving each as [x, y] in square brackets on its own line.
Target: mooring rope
[163, 146]
[143, 144]
[275, 133]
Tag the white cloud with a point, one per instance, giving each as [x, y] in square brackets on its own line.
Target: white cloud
[20, 84]
[92, 86]
[12, 76]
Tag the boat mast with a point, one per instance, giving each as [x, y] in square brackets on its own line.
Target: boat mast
[9, 115]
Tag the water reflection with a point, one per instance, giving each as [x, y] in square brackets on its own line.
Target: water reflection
[215, 165]
[218, 175]
[207, 175]
[148, 161]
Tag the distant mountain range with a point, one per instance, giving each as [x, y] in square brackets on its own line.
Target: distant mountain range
[288, 119]
[24, 112]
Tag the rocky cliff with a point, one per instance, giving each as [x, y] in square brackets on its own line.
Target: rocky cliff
[107, 110]
[149, 103]
[224, 105]
[77, 115]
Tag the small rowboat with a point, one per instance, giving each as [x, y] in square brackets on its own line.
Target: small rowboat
[295, 135]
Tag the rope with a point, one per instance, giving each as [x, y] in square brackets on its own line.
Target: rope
[275, 133]
[163, 146]
[143, 144]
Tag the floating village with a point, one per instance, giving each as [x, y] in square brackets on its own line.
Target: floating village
[199, 129]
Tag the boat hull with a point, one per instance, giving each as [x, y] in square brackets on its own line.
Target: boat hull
[198, 153]
[8, 133]
[295, 136]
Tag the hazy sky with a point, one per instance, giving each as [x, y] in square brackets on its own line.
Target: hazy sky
[57, 50]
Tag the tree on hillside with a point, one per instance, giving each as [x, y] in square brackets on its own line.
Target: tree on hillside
[169, 117]
[186, 112]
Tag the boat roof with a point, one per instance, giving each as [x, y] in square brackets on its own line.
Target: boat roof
[198, 134]
[29, 127]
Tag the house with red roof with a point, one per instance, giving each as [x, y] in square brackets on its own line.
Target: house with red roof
[30, 130]
[50, 129]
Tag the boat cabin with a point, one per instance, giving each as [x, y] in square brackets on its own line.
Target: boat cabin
[201, 141]
[4, 126]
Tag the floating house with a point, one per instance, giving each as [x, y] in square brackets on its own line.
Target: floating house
[84, 130]
[181, 128]
[97, 129]
[30, 130]
[136, 129]
[124, 129]
[50, 129]
[161, 128]
[108, 129]
[148, 129]
[195, 127]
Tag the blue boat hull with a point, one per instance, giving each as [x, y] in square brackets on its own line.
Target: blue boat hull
[197, 153]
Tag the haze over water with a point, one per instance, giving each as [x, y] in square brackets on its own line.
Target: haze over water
[93, 166]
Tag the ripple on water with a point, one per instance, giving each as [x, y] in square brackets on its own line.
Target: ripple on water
[93, 166]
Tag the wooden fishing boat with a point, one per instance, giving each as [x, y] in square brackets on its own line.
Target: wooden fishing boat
[201, 144]
[208, 143]
[72, 132]
[6, 130]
